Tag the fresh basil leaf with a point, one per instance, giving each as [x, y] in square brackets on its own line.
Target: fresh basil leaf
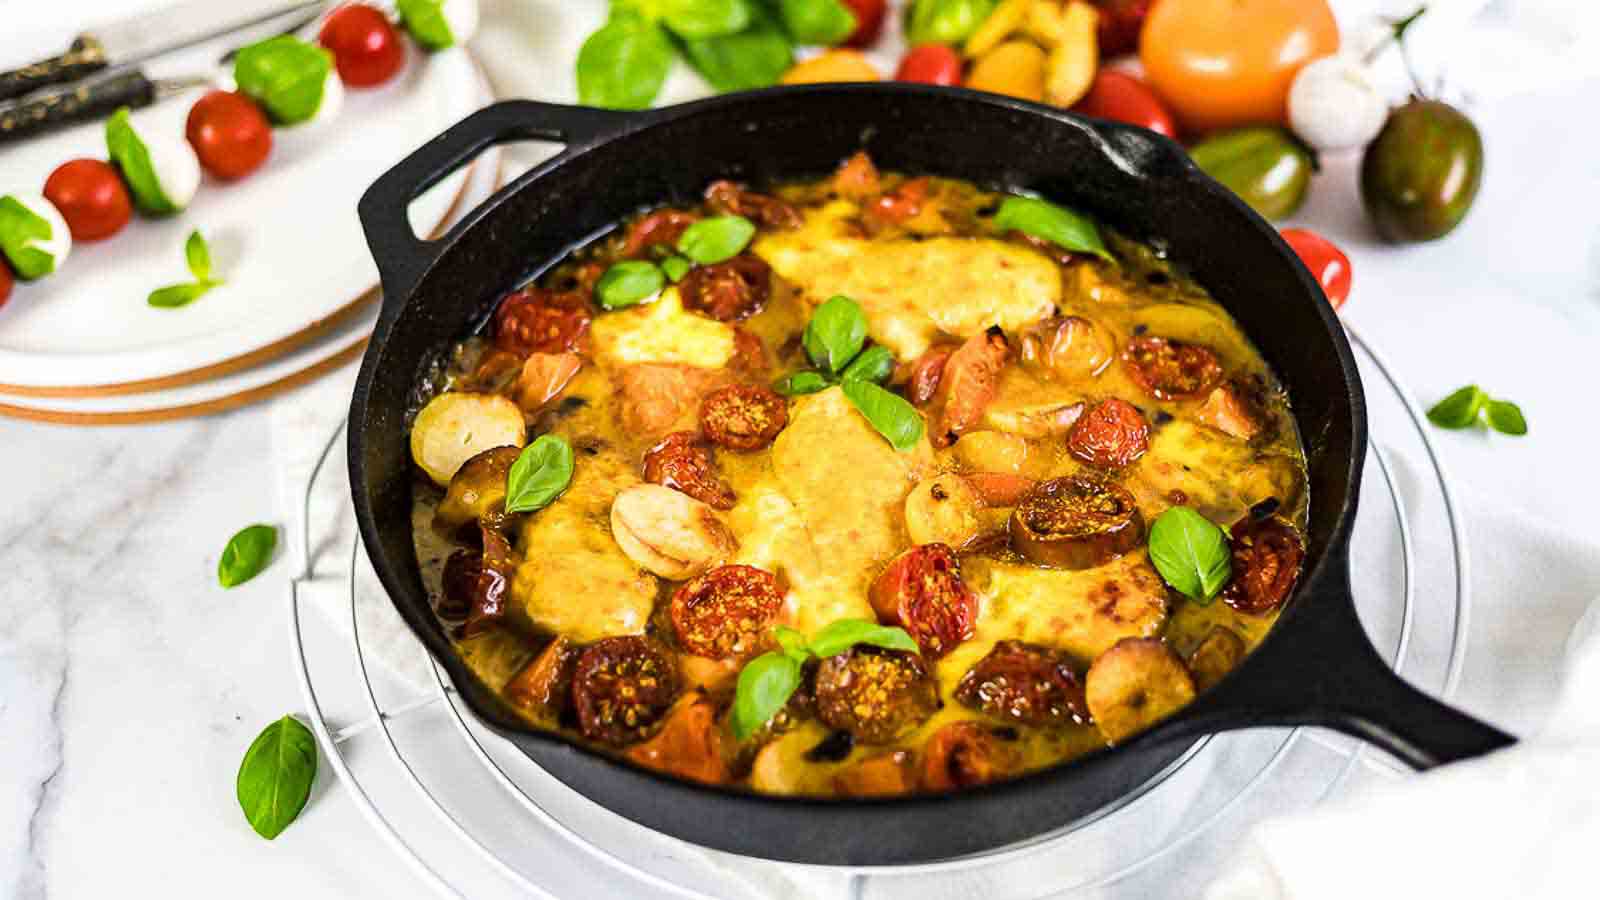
[175, 296]
[132, 158]
[843, 634]
[835, 334]
[1505, 417]
[22, 232]
[198, 256]
[874, 364]
[285, 75]
[246, 554]
[716, 239]
[627, 283]
[792, 642]
[427, 22]
[765, 684]
[1191, 553]
[705, 18]
[945, 21]
[797, 383]
[824, 22]
[894, 418]
[275, 776]
[541, 473]
[753, 58]
[675, 268]
[624, 64]
[1460, 409]
[1057, 224]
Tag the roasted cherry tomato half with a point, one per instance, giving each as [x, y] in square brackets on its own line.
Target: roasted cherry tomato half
[1220, 63]
[7, 281]
[1120, 22]
[743, 416]
[965, 754]
[544, 686]
[1267, 554]
[877, 695]
[1170, 369]
[903, 202]
[922, 382]
[664, 226]
[922, 592]
[930, 64]
[749, 353]
[725, 613]
[1121, 97]
[1112, 434]
[689, 744]
[1024, 684]
[728, 291]
[622, 687]
[968, 384]
[539, 321]
[892, 773]
[229, 133]
[1075, 523]
[681, 463]
[1326, 262]
[478, 583]
[367, 48]
[90, 195]
[869, 21]
[729, 198]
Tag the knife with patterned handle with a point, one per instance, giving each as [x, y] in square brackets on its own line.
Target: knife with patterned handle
[95, 99]
[85, 57]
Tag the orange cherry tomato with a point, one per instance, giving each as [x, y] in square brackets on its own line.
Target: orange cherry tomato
[366, 47]
[1121, 97]
[229, 133]
[869, 21]
[1220, 63]
[930, 64]
[1327, 263]
[90, 195]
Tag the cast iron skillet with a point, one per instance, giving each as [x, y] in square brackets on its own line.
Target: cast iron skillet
[1316, 667]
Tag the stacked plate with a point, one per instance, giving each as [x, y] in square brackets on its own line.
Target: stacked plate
[83, 346]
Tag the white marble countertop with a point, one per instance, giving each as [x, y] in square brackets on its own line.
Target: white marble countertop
[130, 684]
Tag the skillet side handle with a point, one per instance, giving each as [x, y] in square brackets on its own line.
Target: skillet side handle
[1323, 670]
[401, 256]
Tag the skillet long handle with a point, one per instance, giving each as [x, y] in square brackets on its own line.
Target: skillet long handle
[402, 257]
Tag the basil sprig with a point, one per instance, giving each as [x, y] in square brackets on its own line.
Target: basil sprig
[1470, 405]
[1191, 553]
[275, 776]
[745, 60]
[540, 474]
[22, 232]
[835, 334]
[889, 413]
[675, 267]
[704, 18]
[825, 22]
[767, 682]
[834, 340]
[874, 364]
[628, 283]
[1059, 225]
[246, 554]
[198, 257]
[945, 21]
[286, 75]
[132, 159]
[624, 64]
[716, 239]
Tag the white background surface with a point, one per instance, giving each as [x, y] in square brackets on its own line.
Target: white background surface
[130, 684]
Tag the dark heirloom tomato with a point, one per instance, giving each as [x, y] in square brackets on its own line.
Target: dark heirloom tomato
[91, 197]
[680, 463]
[1075, 523]
[533, 320]
[728, 291]
[664, 226]
[544, 685]
[1172, 370]
[923, 382]
[367, 48]
[1266, 563]
[1111, 435]
[730, 199]
[622, 687]
[743, 416]
[968, 385]
[922, 592]
[877, 695]
[964, 754]
[476, 583]
[1026, 684]
[724, 614]
[230, 134]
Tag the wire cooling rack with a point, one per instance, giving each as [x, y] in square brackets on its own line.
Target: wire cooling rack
[472, 817]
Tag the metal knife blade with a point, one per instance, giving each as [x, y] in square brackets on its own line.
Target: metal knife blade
[185, 24]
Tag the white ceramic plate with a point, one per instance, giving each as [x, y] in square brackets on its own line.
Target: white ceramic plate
[286, 239]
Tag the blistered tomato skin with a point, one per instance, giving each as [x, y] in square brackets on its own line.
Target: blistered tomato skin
[1170, 369]
[662, 227]
[91, 197]
[965, 754]
[1110, 435]
[743, 416]
[922, 592]
[229, 133]
[539, 321]
[1075, 523]
[1121, 97]
[1267, 554]
[681, 463]
[1026, 685]
[728, 291]
[622, 687]
[930, 64]
[727, 612]
[878, 696]
[1326, 262]
[367, 48]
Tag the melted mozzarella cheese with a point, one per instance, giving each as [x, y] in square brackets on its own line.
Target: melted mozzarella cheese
[663, 332]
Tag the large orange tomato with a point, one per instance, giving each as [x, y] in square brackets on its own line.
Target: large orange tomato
[1219, 63]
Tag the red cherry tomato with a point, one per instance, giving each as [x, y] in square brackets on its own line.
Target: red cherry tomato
[869, 21]
[1328, 264]
[367, 49]
[930, 64]
[1123, 98]
[6, 280]
[1120, 21]
[922, 592]
[90, 195]
[230, 134]
[1111, 435]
